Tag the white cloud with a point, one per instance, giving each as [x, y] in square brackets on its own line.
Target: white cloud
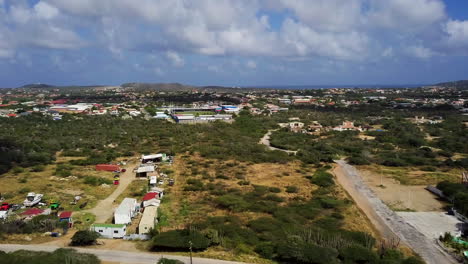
[45, 10]
[158, 71]
[420, 52]
[331, 29]
[457, 33]
[175, 58]
[251, 64]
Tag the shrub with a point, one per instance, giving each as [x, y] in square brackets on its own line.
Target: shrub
[292, 189]
[17, 170]
[274, 189]
[96, 181]
[322, 178]
[84, 238]
[180, 240]
[358, 254]
[266, 250]
[232, 202]
[38, 168]
[24, 190]
[169, 261]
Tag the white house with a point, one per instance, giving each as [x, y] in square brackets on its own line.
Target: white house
[126, 211]
[110, 230]
[148, 220]
[152, 198]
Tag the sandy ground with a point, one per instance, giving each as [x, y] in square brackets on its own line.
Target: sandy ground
[389, 223]
[433, 224]
[401, 197]
[105, 208]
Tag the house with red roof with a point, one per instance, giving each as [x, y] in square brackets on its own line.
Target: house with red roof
[152, 198]
[66, 216]
[32, 212]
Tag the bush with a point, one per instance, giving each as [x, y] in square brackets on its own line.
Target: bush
[358, 254]
[292, 189]
[96, 181]
[59, 256]
[322, 178]
[179, 240]
[169, 261]
[274, 189]
[38, 168]
[84, 238]
[232, 202]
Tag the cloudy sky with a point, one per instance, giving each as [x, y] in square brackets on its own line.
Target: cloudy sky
[233, 42]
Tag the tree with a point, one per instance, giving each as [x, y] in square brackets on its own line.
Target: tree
[84, 238]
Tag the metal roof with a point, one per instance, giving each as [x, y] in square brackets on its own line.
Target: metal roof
[108, 225]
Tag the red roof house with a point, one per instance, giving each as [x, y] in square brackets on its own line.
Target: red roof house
[107, 167]
[65, 215]
[33, 212]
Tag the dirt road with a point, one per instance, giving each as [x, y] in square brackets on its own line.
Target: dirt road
[265, 140]
[385, 220]
[105, 208]
[116, 256]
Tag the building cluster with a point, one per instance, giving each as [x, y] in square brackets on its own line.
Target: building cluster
[128, 212]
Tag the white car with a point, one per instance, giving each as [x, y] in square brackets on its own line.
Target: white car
[161, 182]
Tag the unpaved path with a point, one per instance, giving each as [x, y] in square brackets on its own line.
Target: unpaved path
[105, 208]
[116, 255]
[265, 140]
[385, 220]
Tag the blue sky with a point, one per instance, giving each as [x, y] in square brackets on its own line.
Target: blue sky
[233, 42]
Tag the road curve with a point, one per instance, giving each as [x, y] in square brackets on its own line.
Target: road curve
[387, 221]
[117, 256]
[265, 140]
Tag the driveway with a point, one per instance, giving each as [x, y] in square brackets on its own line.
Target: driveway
[105, 208]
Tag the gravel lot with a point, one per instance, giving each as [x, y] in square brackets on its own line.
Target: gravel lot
[432, 224]
[350, 179]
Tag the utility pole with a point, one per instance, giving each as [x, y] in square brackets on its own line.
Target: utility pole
[190, 243]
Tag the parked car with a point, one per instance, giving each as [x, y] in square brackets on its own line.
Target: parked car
[5, 207]
[171, 182]
[123, 170]
[161, 182]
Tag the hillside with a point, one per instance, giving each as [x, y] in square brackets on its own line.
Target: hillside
[462, 84]
[37, 86]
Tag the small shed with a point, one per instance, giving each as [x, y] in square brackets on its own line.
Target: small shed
[67, 217]
[148, 220]
[126, 211]
[110, 230]
[152, 158]
[144, 169]
[107, 167]
[152, 199]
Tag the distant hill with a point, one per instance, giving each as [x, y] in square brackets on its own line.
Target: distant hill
[158, 86]
[463, 84]
[37, 86]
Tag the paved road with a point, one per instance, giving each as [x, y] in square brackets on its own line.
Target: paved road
[387, 221]
[105, 208]
[117, 256]
[265, 140]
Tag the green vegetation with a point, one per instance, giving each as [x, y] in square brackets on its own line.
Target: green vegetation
[84, 238]
[457, 193]
[169, 261]
[41, 224]
[59, 256]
